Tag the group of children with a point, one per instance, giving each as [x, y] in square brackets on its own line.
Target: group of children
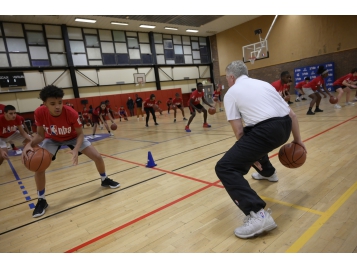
[317, 87]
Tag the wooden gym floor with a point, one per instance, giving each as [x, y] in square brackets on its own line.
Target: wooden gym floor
[180, 205]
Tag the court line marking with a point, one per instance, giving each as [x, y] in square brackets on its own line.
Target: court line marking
[136, 220]
[305, 237]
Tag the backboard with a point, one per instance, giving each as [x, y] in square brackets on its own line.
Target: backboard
[256, 51]
[139, 78]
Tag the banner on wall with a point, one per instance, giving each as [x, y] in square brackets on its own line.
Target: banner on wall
[302, 72]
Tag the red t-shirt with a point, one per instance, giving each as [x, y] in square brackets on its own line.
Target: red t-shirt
[196, 97]
[278, 86]
[177, 101]
[99, 110]
[348, 78]
[58, 128]
[2, 108]
[169, 101]
[299, 85]
[149, 103]
[85, 114]
[7, 128]
[216, 94]
[313, 84]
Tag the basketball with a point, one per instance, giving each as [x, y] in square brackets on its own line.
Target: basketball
[287, 98]
[292, 155]
[333, 100]
[88, 124]
[113, 126]
[38, 160]
[155, 107]
[211, 110]
[215, 99]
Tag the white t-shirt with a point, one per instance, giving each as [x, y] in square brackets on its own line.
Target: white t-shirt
[253, 101]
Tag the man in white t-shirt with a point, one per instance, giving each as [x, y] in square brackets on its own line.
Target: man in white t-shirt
[268, 124]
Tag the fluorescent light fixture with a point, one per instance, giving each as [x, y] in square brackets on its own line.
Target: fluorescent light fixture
[192, 31]
[147, 26]
[170, 28]
[85, 20]
[119, 23]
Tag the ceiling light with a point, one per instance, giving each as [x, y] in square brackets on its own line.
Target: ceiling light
[147, 26]
[119, 23]
[85, 20]
[170, 28]
[192, 31]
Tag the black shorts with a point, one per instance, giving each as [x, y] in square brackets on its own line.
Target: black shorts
[178, 106]
[198, 106]
[339, 86]
[96, 119]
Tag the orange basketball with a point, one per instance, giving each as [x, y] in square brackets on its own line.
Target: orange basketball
[287, 98]
[333, 100]
[38, 160]
[155, 107]
[215, 99]
[88, 124]
[211, 110]
[292, 155]
[113, 126]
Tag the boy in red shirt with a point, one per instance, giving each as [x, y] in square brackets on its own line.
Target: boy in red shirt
[217, 98]
[148, 107]
[298, 88]
[99, 115]
[283, 86]
[177, 103]
[10, 130]
[169, 103]
[58, 125]
[345, 84]
[194, 104]
[313, 88]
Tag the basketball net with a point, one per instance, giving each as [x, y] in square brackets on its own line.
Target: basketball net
[252, 60]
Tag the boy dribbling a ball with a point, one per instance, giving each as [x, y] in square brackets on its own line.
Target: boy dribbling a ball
[58, 125]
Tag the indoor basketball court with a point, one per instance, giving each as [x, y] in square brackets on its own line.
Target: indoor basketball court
[170, 199]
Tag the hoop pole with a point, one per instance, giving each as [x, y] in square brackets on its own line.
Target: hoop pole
[271, 27]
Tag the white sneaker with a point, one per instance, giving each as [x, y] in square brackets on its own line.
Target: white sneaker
[255, 224]
[272, 178]
[19, 151]
[355, 98]
[350, 104]
[111, 134]
[337, 106]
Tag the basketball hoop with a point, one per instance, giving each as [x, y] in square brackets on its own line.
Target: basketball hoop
[252, 60]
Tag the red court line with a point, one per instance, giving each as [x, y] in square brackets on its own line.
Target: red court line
[162, 170]
[176, 201]
[137, 219]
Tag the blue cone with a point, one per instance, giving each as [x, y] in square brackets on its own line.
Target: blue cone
[151, 162]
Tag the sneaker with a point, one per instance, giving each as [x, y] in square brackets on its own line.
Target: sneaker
[111, 134]
[175, 120]
[184, 119]
[40, 208]
[355, 98]
[206, 125]
[156, 124]
[309, 112]
[272, 178]
[350, 104]
[19, 151]
[318, 110]
[337, 106]
[255, 224]
[147, 125]
[290, 102]
[304, 99]
[297, 100]
[15, 148]
[187, 128]
[112, 184]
